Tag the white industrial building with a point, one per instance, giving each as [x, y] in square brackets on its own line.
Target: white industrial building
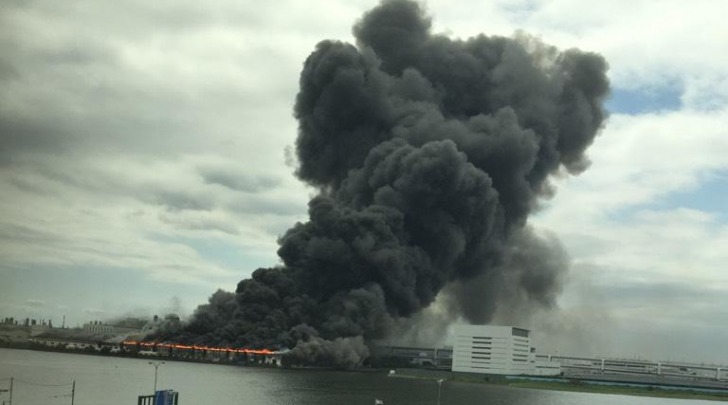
[493, 349]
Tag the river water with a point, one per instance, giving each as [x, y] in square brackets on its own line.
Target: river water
[45, 379]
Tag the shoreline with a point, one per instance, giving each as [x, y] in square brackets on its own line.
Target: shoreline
[566, 384]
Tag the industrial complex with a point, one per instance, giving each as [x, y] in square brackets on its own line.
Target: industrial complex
[476, 349]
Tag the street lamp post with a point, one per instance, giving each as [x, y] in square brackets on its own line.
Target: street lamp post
[439, 389]
[156, 365]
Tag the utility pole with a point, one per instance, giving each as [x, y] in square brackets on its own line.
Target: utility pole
[156, 368]
[439, 389]
[4, 390]
[11, 392]
[73, 391]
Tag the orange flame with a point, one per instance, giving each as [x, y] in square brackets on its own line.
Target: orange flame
[195, 347]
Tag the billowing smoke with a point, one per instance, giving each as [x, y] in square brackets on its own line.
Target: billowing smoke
[428, 154]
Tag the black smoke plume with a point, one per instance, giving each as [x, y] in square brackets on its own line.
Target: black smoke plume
[428, 154]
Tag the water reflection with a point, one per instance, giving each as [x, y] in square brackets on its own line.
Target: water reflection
[120, 381]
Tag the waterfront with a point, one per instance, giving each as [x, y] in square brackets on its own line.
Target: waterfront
[120, 380]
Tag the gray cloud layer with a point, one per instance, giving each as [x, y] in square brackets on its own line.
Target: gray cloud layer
[109, 110]
[131, 137]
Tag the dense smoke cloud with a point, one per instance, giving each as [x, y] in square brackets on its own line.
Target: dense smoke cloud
[428, 153]
[529, 275]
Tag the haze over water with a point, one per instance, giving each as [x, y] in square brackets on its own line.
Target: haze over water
[120, 381]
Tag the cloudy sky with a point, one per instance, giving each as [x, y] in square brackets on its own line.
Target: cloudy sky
[145, 157]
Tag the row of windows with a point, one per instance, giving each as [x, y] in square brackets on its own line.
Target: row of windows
[497, 348]
[502, 353]
[487, 363]
[481, 338]
[519, 332]
[489, 355]
[487, 359]
[488, 368]
[488, 342]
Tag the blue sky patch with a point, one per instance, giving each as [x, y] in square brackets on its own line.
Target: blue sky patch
[645, 100]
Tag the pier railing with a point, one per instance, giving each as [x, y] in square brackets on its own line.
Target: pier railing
[146, 400]
[166, 397]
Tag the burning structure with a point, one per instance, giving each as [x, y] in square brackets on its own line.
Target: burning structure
[204, 353]
[428, 154]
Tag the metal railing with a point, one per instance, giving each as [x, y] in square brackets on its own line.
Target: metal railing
[146, 400]
[165, 398]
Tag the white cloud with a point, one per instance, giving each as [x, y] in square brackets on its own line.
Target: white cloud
[94, 311]
[619, 220]
[33, 302]
[638, 159]
[623, 228]
[123, 213]
[117, 116]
